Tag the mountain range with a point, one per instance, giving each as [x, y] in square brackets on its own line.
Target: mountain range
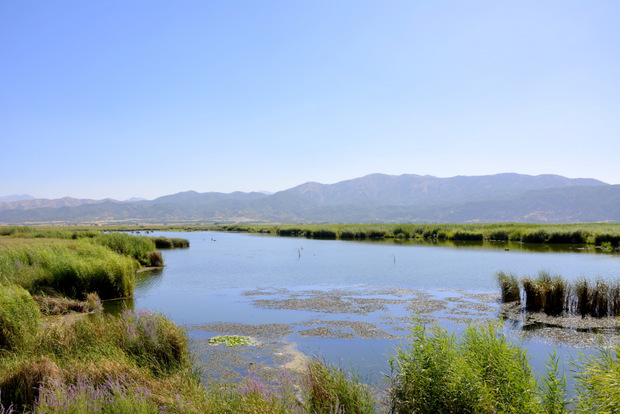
[374, 198]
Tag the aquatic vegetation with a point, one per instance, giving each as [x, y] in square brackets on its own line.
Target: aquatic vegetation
[598, 382]
[135, 247]
[232, 340]
[554, 296]
[509, 287]
[553, 395]
[481, 372]
[332, 390]
[599, 234]
[170, 242]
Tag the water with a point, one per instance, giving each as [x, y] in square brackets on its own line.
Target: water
[253, 279]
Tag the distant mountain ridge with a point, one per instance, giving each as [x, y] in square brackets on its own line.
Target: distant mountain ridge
[369, 199]
[28, 204]
[409, 189]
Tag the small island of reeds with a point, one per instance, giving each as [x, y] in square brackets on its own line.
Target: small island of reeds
[555, 296]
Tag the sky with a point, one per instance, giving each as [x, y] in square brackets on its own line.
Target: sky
[131, 98]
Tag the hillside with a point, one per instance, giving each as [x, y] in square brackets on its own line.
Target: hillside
[370, 199]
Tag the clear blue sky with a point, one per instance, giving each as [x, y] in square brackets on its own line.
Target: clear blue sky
[124, 98]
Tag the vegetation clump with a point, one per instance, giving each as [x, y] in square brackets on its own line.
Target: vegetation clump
[509, 285]
[170, 242]
[19, 317]
[555, 296]
[232, 340]
[481, 372]
[331, 390]
[63, 306]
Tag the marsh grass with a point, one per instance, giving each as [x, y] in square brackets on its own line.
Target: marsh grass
[19, 317]
[170, 242]
[554, 296]
[70, 268]
[115, 395]
[332, 390]
[554, 398]
[137, 248]
[509, 286]
[481, 372]
[598, 381]
[599, 234]
[153, 341]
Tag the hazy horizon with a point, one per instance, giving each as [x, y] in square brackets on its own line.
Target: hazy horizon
[256, 191]
[147, 98]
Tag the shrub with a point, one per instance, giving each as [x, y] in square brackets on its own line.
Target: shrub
[575, 237]
[19, 317]
[170, 243]
[156, 259]
[538, 236]
[323, 234]
[401, 233]
[466, 236]
[499, 235]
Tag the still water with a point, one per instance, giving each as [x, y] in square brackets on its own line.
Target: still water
[265, 280]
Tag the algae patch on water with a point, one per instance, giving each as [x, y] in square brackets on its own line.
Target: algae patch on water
[232, 340]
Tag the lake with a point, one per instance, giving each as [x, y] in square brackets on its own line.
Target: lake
[345, 301]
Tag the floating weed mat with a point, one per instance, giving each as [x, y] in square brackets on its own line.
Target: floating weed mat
[232, 340]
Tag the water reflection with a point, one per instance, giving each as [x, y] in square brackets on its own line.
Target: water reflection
[118, 306]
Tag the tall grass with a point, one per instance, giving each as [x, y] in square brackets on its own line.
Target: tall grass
[115, 395]
[509, 286]
[19, 317]
[135, 247]
[73, 269]
[332, 390]
[554, 398]
[600, 234]
[554, 296]
[170, 242]
[153, 341]
[481, 372]
[598, 382]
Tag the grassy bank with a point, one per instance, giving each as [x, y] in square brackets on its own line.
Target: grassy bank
[555, 296]
[73, 263]
[138, 362]
[606, 235]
